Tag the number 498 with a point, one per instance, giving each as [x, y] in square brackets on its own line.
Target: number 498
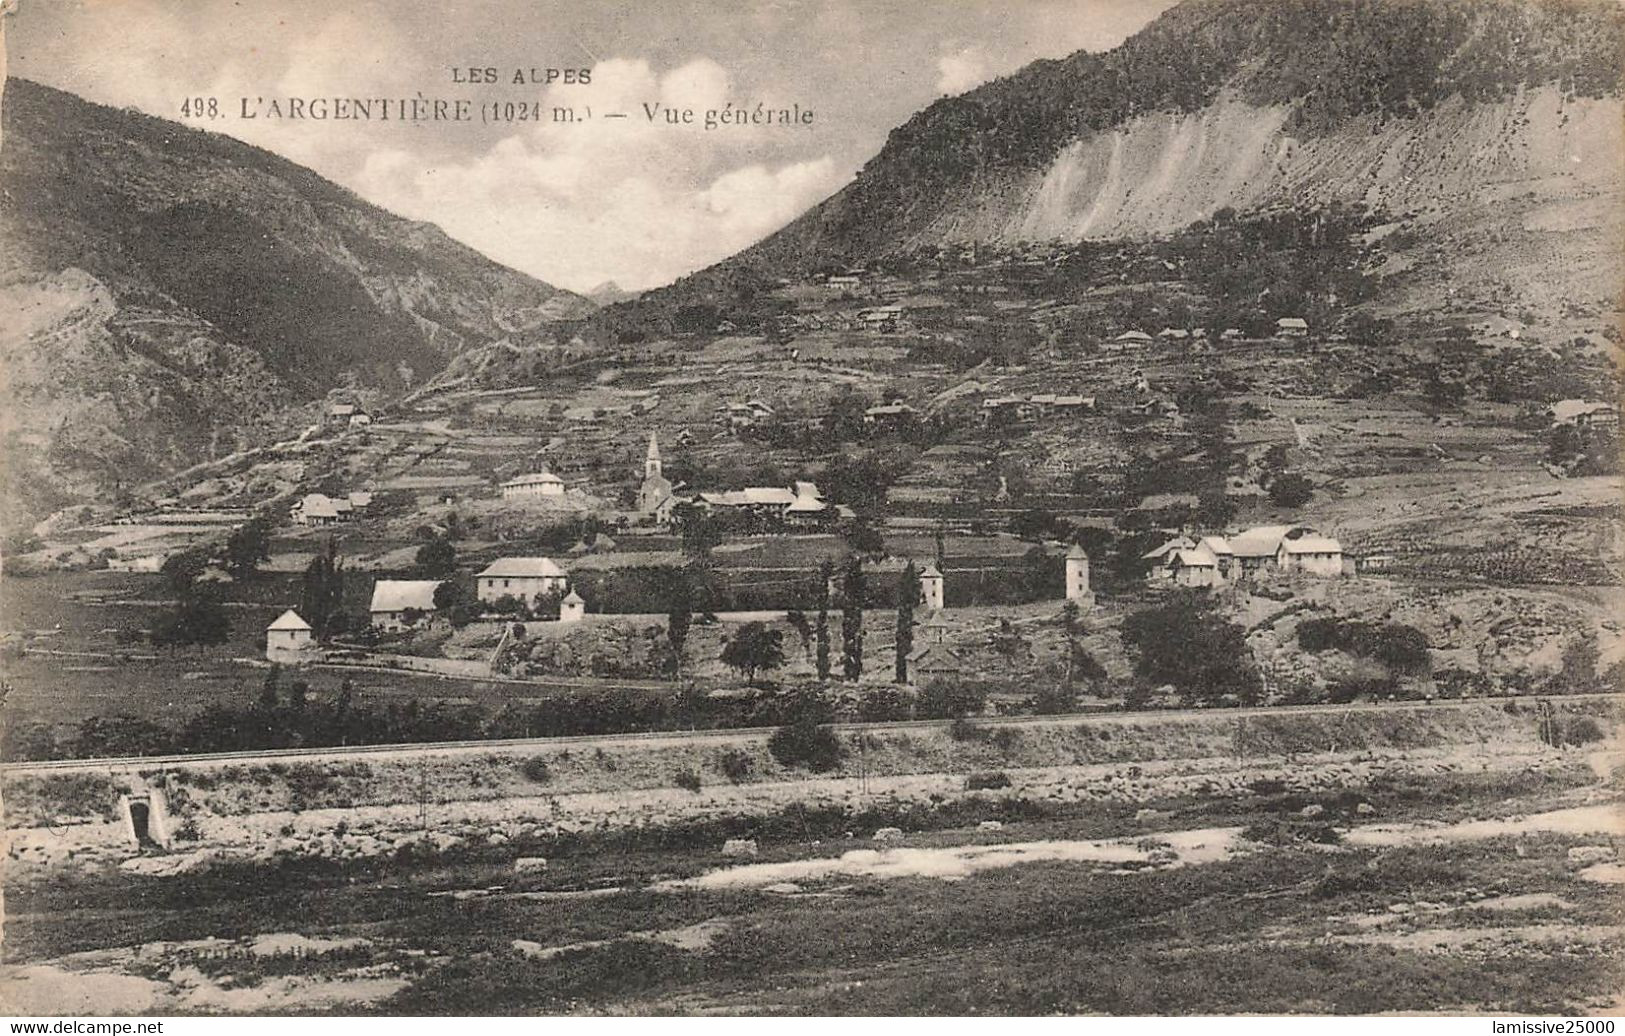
[200, 108]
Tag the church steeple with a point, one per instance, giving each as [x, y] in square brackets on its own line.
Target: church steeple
[651, 462]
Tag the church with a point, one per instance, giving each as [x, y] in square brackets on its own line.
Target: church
[655, 496]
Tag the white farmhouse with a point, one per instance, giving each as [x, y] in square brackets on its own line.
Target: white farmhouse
[541, 483]
[1312, 554]
[524, 578]
[287, 637]
[395, 601]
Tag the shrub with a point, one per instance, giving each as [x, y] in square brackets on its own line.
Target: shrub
[736, 764]
[1277, 831]
[987, 781]
[805, 743]
[686, 779]
[962, 729]
[1574, 730]
[535, 770]
[886, 704]
[1291, 490]
[943, 699]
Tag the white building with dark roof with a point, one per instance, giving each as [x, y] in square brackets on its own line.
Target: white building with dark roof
[396, 601]
[288, 637]
[540, 483]
[524, 578]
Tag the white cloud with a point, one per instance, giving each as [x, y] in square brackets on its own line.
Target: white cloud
[962, 70]
[637, 201]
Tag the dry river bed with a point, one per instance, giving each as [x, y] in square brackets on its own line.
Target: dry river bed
[1350, 903]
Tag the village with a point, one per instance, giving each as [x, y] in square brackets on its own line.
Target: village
[842, 500]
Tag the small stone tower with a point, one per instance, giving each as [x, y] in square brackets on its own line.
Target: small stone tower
[1077, 578]
[931, 588]
[572, 608]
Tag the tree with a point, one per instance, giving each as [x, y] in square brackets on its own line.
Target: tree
[1007, 642]
[908, 591]
[804, 631]
[1187, 643]
[1214, 508]
[437, 558]
[454, 600]
[1037, 525]
[247, 546]
[852, 620]
[196, 621]
[678, 619]
[755, 648]
[1291, 490]
[805, 741]
[269, 699]
[181, 570]
[701, 534]
[321, 593]
[821, 626]
[865, 540]
[1069, 636]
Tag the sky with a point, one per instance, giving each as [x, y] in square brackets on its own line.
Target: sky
[633, 201]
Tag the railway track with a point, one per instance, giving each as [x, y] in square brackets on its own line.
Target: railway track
[730, 735]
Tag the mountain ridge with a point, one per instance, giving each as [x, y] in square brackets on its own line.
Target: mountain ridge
[1399, 70]
[177, 290]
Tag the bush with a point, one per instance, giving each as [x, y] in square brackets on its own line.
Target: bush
[1573, 730]
[535, 770]
[1290, 832]
[987, 781]
[736, 764]
[962, 729]
[807, 744]
[688, 780]
[947, 698]
[1291, 490]
[887, 704]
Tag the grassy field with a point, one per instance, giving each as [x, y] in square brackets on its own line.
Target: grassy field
[1499, 925]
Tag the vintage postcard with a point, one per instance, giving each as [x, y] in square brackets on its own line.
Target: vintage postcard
[811, 507]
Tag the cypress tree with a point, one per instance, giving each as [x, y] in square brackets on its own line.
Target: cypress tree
[852, 620]
[908, 591]
[822, 625]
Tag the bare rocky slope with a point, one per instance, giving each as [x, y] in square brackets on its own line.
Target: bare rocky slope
[1492, 128]
[165, 291]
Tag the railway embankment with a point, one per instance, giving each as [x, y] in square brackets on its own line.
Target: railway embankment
[174, 814]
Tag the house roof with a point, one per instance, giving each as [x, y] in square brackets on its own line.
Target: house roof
[751, 495]
[1177, 543]
[807, 505]
[1218, 546]
[397, 595]
[573, 598]
[360, 498]
[1312, 545]
[1133, 336]
[1075, 552]
[934, 656]
[1293, 323]
[535, 478]
[1260, 541]
[1568, 409]
[289, 620]
[318, 505]
[523, 568]
[341, 409]
[1198, 557]
[930, 571]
